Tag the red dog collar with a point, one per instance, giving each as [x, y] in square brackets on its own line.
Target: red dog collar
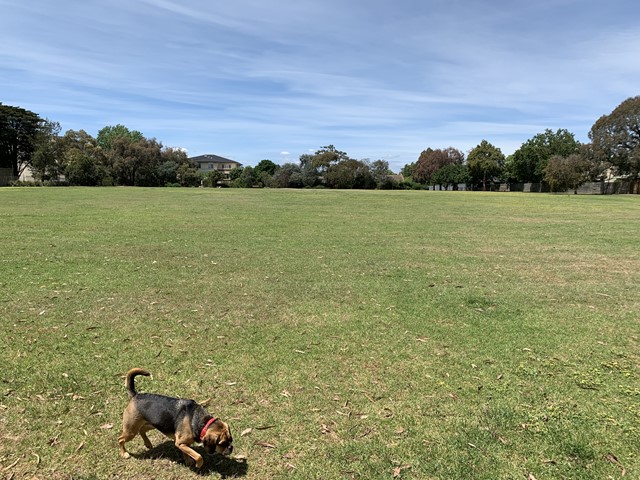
[206, 427]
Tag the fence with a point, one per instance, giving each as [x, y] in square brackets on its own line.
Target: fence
[5, 177]
[589, 188]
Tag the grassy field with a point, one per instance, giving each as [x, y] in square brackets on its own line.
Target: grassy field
[412, 335]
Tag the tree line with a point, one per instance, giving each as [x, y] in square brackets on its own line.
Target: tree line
[327, 167]
[120, 156]
[117, 156]
[555, 158]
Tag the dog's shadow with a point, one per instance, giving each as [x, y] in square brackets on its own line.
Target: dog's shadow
[226, 467]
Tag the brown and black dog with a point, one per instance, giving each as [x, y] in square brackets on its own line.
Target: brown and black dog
[182, 420]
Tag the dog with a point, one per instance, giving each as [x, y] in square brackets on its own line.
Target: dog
[183, 420]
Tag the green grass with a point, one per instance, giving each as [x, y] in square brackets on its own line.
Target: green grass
[427, 335]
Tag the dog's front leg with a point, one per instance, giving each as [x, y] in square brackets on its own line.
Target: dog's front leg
[189, 452]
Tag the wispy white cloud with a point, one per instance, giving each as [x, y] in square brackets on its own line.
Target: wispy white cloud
[379, 80]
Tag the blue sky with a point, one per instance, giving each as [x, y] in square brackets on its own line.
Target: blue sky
[379, 79]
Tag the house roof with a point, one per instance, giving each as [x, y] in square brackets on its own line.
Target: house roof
[398, 178]
[211, 158]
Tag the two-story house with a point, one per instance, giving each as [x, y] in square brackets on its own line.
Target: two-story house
[209, 162]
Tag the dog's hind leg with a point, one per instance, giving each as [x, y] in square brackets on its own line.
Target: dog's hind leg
[132, 423]
[122, 439]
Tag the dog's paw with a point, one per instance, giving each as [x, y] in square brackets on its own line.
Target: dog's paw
[125, 455]
[199, 463]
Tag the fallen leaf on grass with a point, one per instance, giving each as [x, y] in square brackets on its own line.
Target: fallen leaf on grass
[80, 446]
[246, 431]
[9, 467]
[106, 426]
[265, 444]
[327, 431]
[613, 459]
[398, 470]
[386, 413]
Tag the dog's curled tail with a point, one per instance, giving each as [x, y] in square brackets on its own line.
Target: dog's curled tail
[130, 384]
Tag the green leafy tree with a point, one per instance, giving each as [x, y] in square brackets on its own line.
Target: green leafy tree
[615, 138]
[83, 161]
[176, 168]
[235, 173]
[430, 161]
[135, 162]
[289, 175]
[327, 156]
[46, 161]
[349, 174]
[167, 173]
[451, 174]
[528, 162]
[108, 134]
[212, 178]
[264, 172]
[188, 175]
[485, 161]
[266, 166]
[562, 173]
[310, 175]
[19, 132]
[306, 160]
[380, 173]
[247, 178]
[407, 170]
[80, 169]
